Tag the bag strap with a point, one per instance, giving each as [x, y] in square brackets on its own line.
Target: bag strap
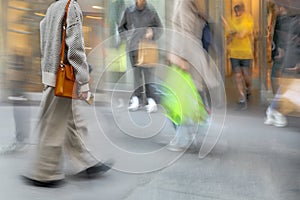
[63, 39]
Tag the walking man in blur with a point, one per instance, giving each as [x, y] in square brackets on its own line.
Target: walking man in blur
[187, 24]
[280, 40]
[57, 129]
[21, 110]
[145, 23]
[286, 100]
[239, 37]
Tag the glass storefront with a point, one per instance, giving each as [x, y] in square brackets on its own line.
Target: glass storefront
[20, 32]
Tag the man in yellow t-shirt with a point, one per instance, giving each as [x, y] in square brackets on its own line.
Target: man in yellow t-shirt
[239, 36]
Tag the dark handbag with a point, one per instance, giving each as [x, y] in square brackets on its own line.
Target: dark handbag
[206, 36]
[147, 54]
[66, 85]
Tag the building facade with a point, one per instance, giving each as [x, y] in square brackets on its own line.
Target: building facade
[20, 32]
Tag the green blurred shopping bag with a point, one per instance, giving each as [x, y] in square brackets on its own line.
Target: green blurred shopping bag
[180, 99]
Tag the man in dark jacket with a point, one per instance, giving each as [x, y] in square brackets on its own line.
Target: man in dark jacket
[142, 22]
[286, 100]
[280, 40]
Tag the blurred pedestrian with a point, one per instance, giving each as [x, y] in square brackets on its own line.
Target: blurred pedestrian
[182, 102]
[207, 43]
[60, 124]
[239, 32]
[143, 22]
[16, 76]
[287, 97]
[280, 40]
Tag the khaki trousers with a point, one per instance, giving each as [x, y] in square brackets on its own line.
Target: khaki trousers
[60, 129]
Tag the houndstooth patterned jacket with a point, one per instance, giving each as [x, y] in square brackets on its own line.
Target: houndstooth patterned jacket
[50, 41]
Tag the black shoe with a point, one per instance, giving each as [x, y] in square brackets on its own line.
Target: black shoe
[49, 184]
[98, 169]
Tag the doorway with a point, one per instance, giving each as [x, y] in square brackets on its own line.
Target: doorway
[257, 8]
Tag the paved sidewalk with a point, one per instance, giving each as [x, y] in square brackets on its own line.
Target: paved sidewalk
[251, 161]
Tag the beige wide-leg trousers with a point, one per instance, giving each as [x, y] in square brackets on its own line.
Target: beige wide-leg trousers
[60, 129]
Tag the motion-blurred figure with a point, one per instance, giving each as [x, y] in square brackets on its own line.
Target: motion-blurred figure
[61, 124]
[144, 23]
[280, 40]
[287, 98]
[183, 104]
[239, 38]
[16, 76]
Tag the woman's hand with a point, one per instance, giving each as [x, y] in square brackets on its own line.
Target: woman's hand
[149, 34]
[83, 95]
[180, 62]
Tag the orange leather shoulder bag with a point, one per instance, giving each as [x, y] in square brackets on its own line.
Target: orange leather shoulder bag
[66, 85]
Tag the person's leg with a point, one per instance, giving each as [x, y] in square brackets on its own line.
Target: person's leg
[235, 63]
[75, 148]
[137, 83]
[136, 98]
[149, 81]
[55, 112]
[277, 110]
[247, 75]
[22, 121]
[21, 113]
[284, 105]
[137, 75]
[275, 74]
[150, 89]
[182, 139]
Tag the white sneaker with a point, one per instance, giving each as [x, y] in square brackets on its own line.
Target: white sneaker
[134, 105]
[275, 118]
[152, 106]
[270, 118]
[268, 121]
[279, 119]
[13, 148]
